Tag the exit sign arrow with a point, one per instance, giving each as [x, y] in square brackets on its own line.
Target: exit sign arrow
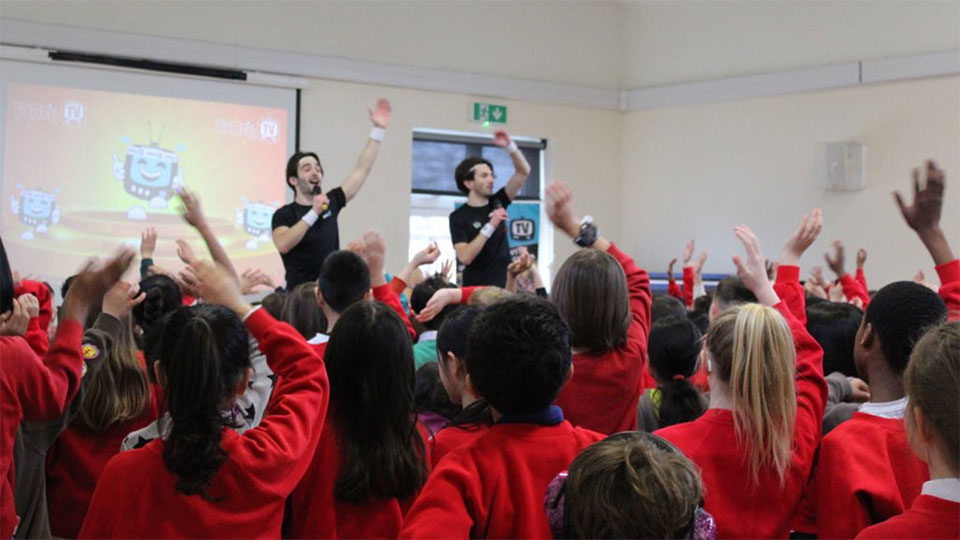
[488, 113]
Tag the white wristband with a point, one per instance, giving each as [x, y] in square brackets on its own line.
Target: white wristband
[310, 217]
[377, 133]
[488, 230]
[511, 148]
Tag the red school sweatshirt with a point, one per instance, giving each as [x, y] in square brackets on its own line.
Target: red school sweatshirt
[453, 437]
[74, 463]
[929, 517]
[34, 390]
[314, 512]
[263, 465]
[36, 334]
[606, 387]
[494, 486]
[865, 474]
[950, 287]
[741, 508]
[686, 292]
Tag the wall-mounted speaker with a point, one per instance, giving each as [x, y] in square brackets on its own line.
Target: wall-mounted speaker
[846, 164]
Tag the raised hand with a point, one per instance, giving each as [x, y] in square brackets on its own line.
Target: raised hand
[836, 294]
[121, 299]
[374, 251]
[216, 286]
[802, 238]
[498, 216]
[560, 208]
[816, 275]
[670, 265]
[320, 203]
[753, 270]
[15, 321]
[815, 289]
[380, 114]
[31, 304]
[185, 252]
[440, 299]
[501, 138]
[254, 277]
[523, 263]
[924, 213]
[688, 252]
[836, 261]
[698, 265]
[445, 270]
[92, 282]
[861, 257]
[148, 243]
[190, 208]
[427, 255]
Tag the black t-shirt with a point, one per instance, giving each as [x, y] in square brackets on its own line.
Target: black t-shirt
[490, 265]
[302, 263]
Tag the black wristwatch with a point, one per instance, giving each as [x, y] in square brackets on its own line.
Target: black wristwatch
[588, 233]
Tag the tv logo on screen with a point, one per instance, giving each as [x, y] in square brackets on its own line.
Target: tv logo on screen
[73, 113]
[523, 230]
[269, 130]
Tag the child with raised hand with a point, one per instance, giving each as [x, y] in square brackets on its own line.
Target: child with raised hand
[756, 443]
[204, 478]
[605, 299]
[371, 459]
[474, 418]
[865, 472]
[115, 399]
[517, 358]
[932, 381]
[629, 485]
[34, 389]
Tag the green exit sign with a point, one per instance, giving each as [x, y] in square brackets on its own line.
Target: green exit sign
[488, 113]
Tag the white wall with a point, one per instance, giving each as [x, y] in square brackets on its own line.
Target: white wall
[558, 41]
[673, 42]
[698, 171]
[583, 149]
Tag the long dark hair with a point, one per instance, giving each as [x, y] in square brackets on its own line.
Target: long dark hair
[369, 361]
[452, 338]
[162, 296]
[203, 356]
[6, 281]
[675, 343]
[302, 312]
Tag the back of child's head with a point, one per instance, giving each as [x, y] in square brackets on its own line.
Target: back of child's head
[369, 361]
[162, 295]
[422, 293]
[752, 351]
[730, 292]
[273, 303]
[665, 305]
[118, 391]
[834, 326]
[204, 356]
[484, 296]
[344, 280]
[430, 395]
[633, 485]
[301, 311]
[590, 291]
[899, 314]
[932, 381]
[518, 354]
[674, 352]
[452, 338]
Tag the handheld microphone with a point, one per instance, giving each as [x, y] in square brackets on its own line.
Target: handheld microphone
[318, 191]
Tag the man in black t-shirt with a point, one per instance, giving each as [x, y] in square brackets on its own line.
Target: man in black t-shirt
[478, 228]
[305, 231]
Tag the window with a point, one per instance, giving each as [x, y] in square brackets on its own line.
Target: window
[434, 196]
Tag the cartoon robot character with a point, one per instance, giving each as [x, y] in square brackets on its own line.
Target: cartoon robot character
[255, 219]
[36, 208]
[149, 173]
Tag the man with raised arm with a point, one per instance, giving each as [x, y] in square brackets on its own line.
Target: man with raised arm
[478, 227]
[305, 231]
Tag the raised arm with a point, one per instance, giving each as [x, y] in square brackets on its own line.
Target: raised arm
[787, 285]
[193, 214]
[292, 427]
[923, 216]
[380, 118]
[372, 248]
[673, 289]
[520, 166]
[850, 286]
[861, 277]
[427, 255]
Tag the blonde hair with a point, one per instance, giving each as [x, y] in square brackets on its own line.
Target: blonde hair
[753, 351]
[119, 391]
[486, 296]
[932, 381]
